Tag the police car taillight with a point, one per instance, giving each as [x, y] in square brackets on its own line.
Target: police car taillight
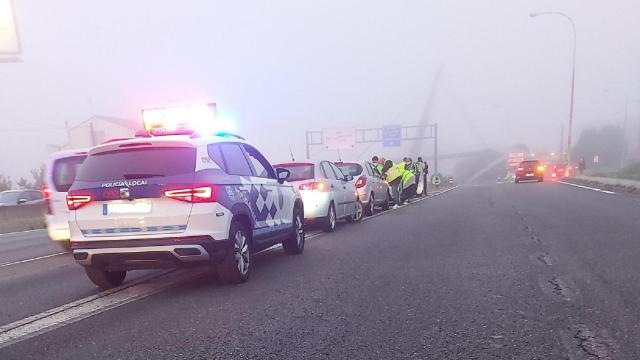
[76, 201]
[200, 194]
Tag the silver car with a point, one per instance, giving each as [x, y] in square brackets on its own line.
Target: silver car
[372, 191]
[327, 194]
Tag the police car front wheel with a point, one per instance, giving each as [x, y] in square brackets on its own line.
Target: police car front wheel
[103, 278]
[294, 245]
[236, 266]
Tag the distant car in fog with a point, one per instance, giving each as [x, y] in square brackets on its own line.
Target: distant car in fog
[559, 171]
[60, 173]
[20, 197]
[372, 191]
[530, 170]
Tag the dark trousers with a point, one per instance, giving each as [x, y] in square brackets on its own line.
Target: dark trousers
[395, 187]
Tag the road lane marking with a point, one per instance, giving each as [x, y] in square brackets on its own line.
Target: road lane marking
[32, 259]
[92, 305]
[586, 187]
[21, 232]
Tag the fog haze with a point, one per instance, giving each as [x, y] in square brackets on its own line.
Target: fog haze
[279, 68]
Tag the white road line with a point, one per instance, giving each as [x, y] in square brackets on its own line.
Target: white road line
[92, 305]
[586, 187]
[32, 259]
[20, 232]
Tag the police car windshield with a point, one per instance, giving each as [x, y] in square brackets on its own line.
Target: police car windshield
[352, 169]
[65, 171]
[138, 164]
[298, 172]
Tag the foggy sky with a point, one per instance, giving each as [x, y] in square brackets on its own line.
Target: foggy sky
[281, 67]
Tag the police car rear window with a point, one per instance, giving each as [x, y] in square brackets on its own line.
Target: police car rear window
[64, 172]
[139, 163]
[298, 171]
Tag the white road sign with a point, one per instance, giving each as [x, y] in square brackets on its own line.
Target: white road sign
[339, 139]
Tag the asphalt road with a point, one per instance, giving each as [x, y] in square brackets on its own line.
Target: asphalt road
[502, 271]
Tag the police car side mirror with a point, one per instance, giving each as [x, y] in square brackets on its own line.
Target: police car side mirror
[282, 174]
[22, 201]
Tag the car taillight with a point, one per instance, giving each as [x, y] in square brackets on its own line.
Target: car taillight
[540, 168]
[199, 194]
[75, 201]
[46, 192]
[362, 181]
[314, 185]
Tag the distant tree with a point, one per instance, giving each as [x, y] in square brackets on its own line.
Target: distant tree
[23, 183]
[5, 183]
[38, 177]
[608, 143]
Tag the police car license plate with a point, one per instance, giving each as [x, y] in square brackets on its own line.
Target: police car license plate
[529, 174]
[138, 207]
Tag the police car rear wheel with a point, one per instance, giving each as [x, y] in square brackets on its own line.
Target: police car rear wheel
[236, 267]
[294, 245]
[330, 222]
[103, 278]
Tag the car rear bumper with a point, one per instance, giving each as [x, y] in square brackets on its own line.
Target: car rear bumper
[149, 253]
[316, 204]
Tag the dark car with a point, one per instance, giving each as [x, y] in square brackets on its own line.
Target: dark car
[20, 197]
[530, 170]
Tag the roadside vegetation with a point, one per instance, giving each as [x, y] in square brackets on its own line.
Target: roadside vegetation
[631, 171]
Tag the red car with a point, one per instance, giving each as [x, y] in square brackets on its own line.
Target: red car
[530, 170]
[559, 171]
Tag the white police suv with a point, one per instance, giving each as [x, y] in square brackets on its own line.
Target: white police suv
[179, 197]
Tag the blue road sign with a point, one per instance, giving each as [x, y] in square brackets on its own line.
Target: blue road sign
[391, 135]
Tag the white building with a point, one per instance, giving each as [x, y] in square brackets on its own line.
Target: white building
[96, 130]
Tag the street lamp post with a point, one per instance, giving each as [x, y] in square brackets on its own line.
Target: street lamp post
[573, 74]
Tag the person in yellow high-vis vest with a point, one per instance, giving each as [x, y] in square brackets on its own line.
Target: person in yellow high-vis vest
[408, 180]
[392, 173]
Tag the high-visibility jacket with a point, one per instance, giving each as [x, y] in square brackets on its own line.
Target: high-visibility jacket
[393, 171]
[408, 178]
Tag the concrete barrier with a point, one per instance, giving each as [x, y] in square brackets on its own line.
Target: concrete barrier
[22, 217]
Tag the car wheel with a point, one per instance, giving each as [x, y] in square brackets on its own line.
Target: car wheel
[294, 245]
[103, 278]
[385, 204]
[357, 217]
[330, 221]
[368, 210]
[236, 267]
[540, 180]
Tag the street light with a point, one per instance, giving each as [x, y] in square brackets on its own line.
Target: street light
[573, 73]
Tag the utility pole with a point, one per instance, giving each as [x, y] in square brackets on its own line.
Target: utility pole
[562, 142]
[435, 148]
[93, 135]
[307, 142]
